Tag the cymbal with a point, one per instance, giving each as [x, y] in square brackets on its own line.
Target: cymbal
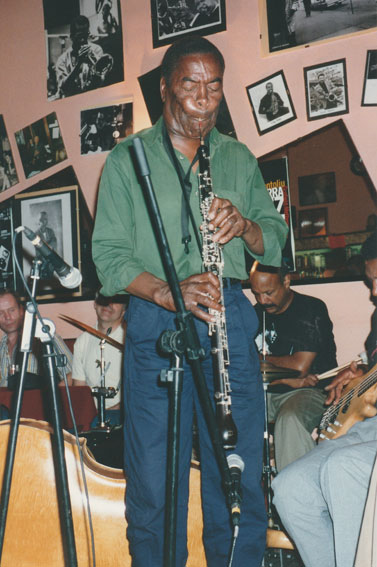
[92, 331]
[271, 372]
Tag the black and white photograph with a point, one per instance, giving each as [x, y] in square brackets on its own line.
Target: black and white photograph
[271, 103]
[301, 22]
[84, 46]
[172, 19]
[369, 97]
[52, 215]
[317, 188]
[6, 259]
[326, 89]
[103, 127]
[8, 173]
[41, 145]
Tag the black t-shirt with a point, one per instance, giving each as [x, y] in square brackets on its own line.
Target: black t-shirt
[304, 326]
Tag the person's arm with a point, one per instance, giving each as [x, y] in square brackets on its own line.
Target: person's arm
[261, 227]
[341, 380]
[79, 383]
[78, 370]
[199, 289]
[300, 361]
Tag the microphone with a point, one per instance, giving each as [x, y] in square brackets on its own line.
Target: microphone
[236, 466]
[68, 276]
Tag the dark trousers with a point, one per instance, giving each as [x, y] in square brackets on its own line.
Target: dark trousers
[146, 433]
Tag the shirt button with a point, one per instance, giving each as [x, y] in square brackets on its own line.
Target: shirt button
[181, 157]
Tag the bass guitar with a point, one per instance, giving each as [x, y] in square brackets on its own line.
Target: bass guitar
[357, 402]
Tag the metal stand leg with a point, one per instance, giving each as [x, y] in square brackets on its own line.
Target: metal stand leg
[268, 470]
[57, 438]
[174, 378]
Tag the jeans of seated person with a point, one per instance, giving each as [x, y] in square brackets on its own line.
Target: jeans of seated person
[321, 497]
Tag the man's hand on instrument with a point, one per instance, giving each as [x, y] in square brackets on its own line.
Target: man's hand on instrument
[340, 381]
[226, 220]
[199, 289]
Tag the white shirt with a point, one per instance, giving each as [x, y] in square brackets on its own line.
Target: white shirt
[86, 362]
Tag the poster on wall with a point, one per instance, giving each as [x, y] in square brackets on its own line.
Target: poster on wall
[326, 89]
[103, 127]
[173, 19]
[369, 97]
[296, 22]
[8, 173]
[41, 145]
[84, 46]
[275, 175]
[271, 103]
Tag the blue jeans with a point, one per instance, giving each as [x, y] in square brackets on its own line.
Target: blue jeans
[321, 497]
[146, 433]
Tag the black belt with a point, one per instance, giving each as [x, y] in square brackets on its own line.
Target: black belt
[230, 282]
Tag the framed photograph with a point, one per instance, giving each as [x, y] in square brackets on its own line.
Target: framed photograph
[326, 89]
[6, 257]
[8, 173]
[312, 222]
[54, 216]
[317, 189]
[103, 127]
[172, 19]
[41, 145]
[369, 97]
[271, 103]
[291, 23]
[84, 46]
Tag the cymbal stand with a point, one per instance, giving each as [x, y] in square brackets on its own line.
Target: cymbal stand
[268, 469]
[33, 327]
[102, 393]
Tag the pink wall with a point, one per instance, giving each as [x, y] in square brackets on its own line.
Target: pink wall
[23, 100]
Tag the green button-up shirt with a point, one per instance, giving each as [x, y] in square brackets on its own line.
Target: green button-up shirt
[124, 244]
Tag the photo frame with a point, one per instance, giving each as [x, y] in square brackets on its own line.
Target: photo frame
[54, 215]
[103, 127]
[369, 96]
[173, 19]
[312, 222]
[271, 103]
[316, 189]
[40, 145]
[8, 173]
[326, 89]
[72, 26]
[290, 24]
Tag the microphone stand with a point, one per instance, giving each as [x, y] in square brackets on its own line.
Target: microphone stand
[32, 328]
[184, 341]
